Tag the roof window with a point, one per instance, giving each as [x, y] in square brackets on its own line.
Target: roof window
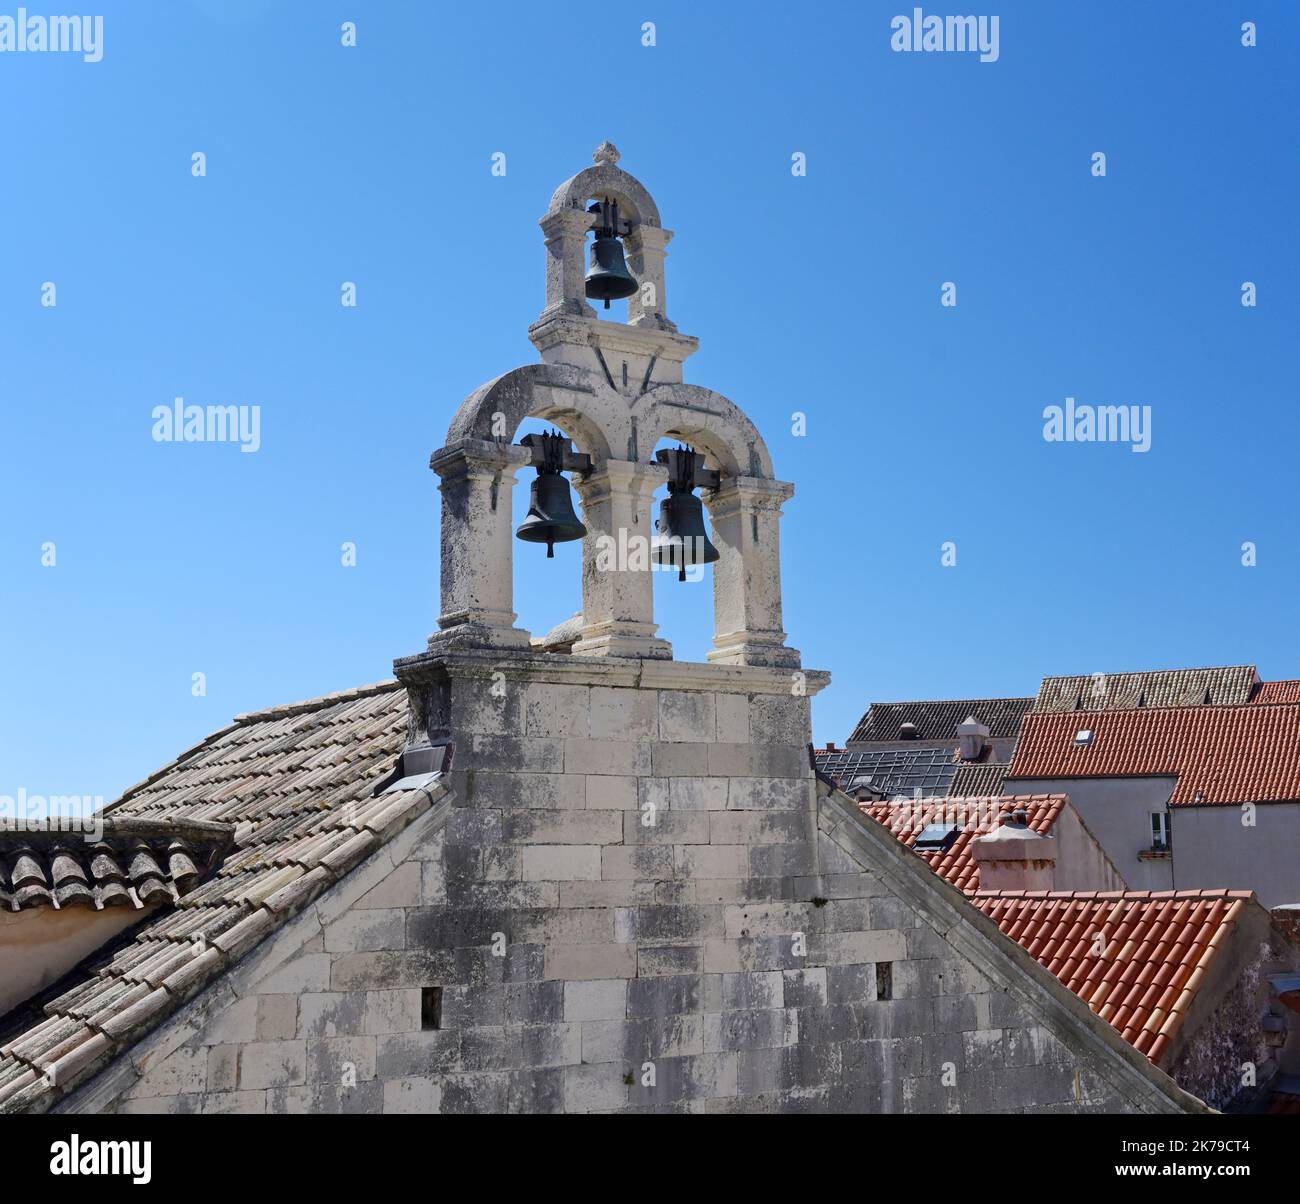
[937, 837]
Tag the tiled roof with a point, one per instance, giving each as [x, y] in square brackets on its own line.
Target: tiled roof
[1227, 686]
[938, 720]
[131, 863]
[296, 784]
[1218, 754]
[1154, 949]
[977, 780]
[1277, 691]
[893, 771]
[974, 816]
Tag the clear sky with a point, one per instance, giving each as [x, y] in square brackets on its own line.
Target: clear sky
[817, 294]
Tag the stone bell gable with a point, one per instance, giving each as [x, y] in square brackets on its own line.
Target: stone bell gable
[616, 390]
[600, 880]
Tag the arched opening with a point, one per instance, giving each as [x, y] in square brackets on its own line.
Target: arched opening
[547, 591]
[608, 279]
[684, 608]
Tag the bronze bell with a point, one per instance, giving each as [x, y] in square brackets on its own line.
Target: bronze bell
[680, 537]
[608, 278]
[551, 518]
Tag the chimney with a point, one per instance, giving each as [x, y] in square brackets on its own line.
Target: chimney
[972, 738]
[1014, 857]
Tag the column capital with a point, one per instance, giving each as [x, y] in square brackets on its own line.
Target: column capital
[476, 457]
[636, 477]
[567, 222]
[754, 493]
[652, 238]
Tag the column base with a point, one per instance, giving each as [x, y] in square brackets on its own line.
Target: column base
[755, 648]
[476, 633]
[636, 641]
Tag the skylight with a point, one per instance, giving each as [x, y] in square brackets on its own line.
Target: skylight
[939, 837]
[1083, 736]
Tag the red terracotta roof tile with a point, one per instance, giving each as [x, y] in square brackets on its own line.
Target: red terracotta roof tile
[1277, 691]
[1223, 754]
[1135, 957]
[907, 819]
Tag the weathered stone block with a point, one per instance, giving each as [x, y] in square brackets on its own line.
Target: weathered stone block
[666, 924]
[732, 712]
[781, 860]
[426, 1053]
[556, 710]
[562, 863]
[804, 988]
[757, 760]
[363, 931]
[223, 1068]
[387, 1012]
[780, 719]
[686, 716]
[697, 794]
[595, 1000]
[768, 919]
[769, 794]
[669, 959]
[667, 996]
[340, 1061]
[265, 1064]
[509, 754]
[679, 760]
[712, 861]
[764, 989]
[612, 792]
[414, 1096]
[652, 862]
[756, 827]
[667, 827]
[401, 888]
[740, 1030]
[585, 827]
[623, 714]
[388, 971]
[617, 757]
[597, 1088]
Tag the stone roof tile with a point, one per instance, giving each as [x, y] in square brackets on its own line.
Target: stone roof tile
[290, 790]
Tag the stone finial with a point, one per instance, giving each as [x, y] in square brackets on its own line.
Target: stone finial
[606, 153]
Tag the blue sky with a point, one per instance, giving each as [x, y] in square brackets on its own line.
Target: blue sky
[818, 294]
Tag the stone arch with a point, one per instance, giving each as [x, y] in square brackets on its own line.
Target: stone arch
[604, 179]
[551, 392]
[708, 421]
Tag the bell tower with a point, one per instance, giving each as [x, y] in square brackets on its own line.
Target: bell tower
[615, 389]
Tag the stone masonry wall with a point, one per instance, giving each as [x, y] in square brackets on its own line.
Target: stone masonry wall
[637, 900]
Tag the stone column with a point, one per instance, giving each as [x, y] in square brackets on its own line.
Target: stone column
[746, 514]
[617, 582]
[646, 253]
[477, 545]
[566, 235]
